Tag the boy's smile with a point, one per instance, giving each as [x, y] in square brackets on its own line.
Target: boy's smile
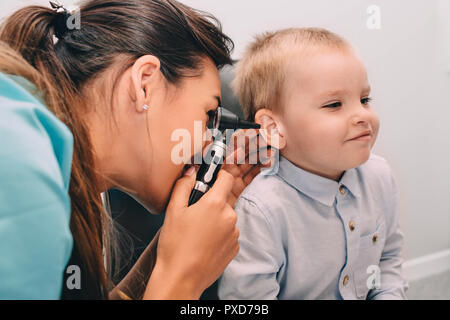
[326, 117]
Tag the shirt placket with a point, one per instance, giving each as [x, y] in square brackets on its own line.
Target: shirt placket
[349, 219]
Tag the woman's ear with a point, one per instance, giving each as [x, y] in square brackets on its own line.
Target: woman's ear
[145, 74]
[272, 130]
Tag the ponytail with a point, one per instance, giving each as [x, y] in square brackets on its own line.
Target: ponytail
[178, 35]
[30, 31]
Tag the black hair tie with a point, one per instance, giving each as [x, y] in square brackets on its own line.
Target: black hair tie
[60, 23]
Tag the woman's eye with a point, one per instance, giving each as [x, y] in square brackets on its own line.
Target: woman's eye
[211, 115]
[366, 100]
[333, 105]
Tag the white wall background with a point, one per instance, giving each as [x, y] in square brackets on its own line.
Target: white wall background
[408, 61]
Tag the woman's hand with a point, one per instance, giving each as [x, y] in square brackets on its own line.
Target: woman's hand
[196, 243]
[245, 160]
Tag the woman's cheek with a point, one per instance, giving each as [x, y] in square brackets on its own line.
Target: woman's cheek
[165, 171]
[165, 187]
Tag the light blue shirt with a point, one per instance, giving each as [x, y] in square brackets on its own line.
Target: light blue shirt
[35, 164]
[303, 236]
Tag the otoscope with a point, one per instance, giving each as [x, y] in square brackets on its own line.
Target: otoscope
[222, 120]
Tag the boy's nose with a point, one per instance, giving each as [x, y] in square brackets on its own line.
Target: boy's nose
[360, 121]
[360, 116]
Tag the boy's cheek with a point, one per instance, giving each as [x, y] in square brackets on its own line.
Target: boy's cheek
[374, 139]
[375, 128]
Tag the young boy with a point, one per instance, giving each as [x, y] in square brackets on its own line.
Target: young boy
[325, 225]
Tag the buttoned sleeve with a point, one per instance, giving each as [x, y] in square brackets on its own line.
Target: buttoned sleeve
[393, 285]
[253, 272]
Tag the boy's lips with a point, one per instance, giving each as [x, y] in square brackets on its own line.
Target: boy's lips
[363, 136]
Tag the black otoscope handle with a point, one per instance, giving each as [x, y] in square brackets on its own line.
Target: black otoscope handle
[207, 174]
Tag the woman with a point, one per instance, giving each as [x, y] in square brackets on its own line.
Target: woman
[115, 90]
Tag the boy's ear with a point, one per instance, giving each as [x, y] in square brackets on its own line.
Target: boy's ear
[272, 129]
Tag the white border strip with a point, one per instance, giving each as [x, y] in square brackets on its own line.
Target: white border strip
[422, 267]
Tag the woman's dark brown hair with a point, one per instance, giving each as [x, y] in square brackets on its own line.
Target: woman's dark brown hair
[177, 34]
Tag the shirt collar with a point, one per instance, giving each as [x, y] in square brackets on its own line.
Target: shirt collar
[316, 187]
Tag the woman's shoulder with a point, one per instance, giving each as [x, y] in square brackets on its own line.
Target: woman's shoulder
[35, 164]
[36, 149]
[29, 129]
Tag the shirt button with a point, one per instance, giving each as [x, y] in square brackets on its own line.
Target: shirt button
[374, 238]
[351, 225]
[345, 281]
[342, 190]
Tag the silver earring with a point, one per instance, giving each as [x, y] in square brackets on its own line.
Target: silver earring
[145, 107]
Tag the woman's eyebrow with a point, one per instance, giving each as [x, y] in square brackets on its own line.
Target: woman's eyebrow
[219, 101]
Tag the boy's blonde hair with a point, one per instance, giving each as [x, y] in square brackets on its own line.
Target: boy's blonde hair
[260, 74]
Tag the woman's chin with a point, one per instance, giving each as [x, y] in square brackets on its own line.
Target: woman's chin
[160, 205]
[161, 197]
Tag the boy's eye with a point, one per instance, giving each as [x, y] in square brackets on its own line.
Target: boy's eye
[366, 100]
[333, 105]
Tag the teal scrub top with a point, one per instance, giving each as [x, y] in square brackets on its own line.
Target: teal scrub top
[35, 163]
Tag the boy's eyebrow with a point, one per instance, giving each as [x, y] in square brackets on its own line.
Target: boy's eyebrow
[333, 92]
[341, 91]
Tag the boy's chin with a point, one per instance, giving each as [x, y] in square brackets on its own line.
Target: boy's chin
[358, 159]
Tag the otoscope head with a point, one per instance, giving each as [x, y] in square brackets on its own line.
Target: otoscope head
[224, 119]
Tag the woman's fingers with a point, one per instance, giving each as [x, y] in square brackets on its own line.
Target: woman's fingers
[182, 190]
[247, 149]
[245, 157]
[251, 175]
[246, 164]
[222, 186]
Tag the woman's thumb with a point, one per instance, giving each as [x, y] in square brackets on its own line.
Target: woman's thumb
[182, 190]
